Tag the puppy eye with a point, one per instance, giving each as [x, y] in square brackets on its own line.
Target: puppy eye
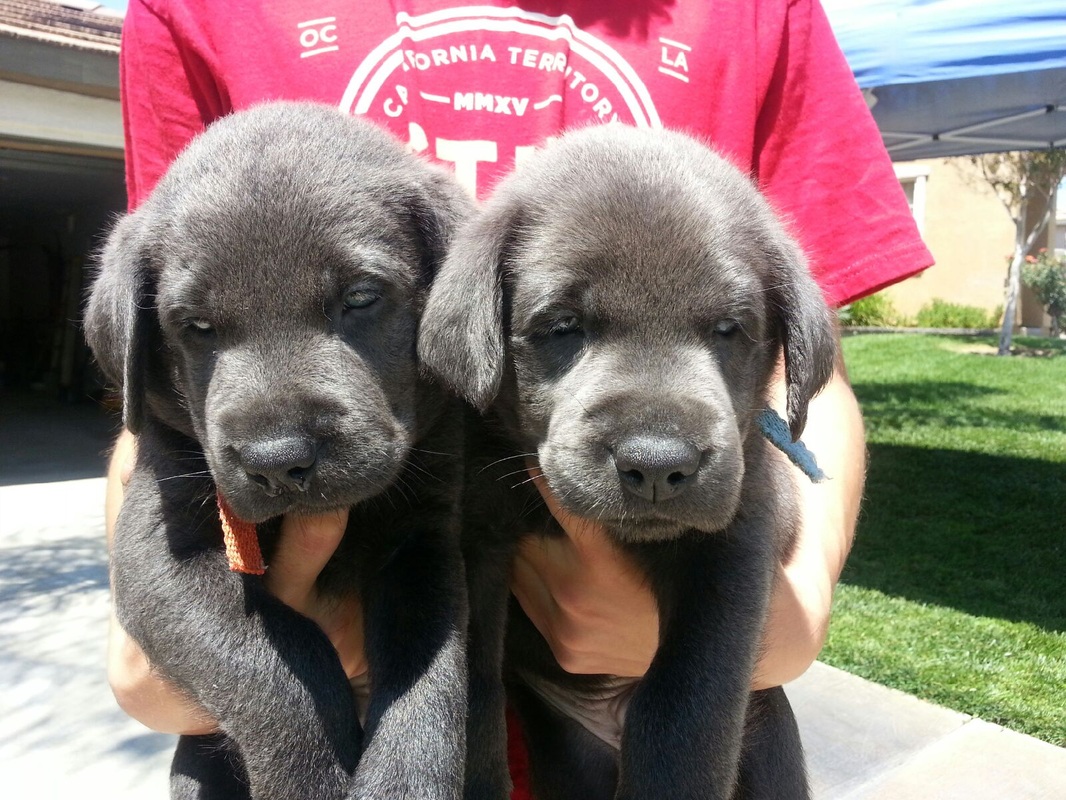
[199, 325]
[360, 298]
[726, 327]
[565, 325]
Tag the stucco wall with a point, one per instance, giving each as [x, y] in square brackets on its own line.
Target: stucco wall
[968, 232]
[970, 235]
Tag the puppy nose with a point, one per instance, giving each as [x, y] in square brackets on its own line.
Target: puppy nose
[656, 467]
[283, 464]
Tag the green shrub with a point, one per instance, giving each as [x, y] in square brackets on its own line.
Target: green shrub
[875, 311]
[995, 319]
[1045, 274]
[942, 314]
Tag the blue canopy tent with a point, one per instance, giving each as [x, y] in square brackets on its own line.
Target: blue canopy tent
[956, 77]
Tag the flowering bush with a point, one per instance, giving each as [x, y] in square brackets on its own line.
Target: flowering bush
[1045, 274]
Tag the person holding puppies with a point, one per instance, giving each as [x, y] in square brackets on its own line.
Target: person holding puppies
[476, 87]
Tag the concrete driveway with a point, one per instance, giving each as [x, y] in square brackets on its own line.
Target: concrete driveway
[61, 733]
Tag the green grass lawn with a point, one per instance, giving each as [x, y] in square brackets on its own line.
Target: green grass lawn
[956, 588]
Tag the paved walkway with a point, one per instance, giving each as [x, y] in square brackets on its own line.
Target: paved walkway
[867, 742]
[62, 736]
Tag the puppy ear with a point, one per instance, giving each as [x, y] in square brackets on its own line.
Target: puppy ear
[439, 209]
[119, 322]
[805, 327]
[461, 336]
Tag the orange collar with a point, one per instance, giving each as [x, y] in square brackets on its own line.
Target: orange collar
[242, 544]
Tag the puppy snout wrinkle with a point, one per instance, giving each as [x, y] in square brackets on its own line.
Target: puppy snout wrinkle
[656, 467]
[281, 464]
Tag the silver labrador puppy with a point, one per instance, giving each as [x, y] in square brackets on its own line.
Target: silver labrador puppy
[618, 308]
[259, 311]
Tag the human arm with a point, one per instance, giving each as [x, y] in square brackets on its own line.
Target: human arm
[803, 593]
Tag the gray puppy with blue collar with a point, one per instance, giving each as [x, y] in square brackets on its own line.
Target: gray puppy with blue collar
[617, 309]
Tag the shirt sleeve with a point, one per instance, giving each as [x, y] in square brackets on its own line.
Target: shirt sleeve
[820, 160]
[169, 93]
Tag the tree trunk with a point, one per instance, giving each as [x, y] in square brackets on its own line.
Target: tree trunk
[1014, 276]
[1010, 305]
[1022, 245]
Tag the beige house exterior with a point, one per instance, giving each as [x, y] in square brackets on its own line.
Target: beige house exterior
[970, 235]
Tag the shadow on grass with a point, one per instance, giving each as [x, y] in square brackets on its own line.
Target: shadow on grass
[978, 533]
[1032, 345]
[944, 404]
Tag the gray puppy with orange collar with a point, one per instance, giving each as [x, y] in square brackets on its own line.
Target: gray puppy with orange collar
[259, 311]
[617, 309]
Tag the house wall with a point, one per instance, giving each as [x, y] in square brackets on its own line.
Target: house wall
[37, 114]
[967, 230]
[970, 235]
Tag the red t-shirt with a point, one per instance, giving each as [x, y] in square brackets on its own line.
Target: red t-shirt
[479, 86]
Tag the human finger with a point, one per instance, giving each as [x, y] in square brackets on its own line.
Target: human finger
[586, 596]
[119, 470]
[307, 542]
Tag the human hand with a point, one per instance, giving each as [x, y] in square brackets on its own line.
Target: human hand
[306, 544]
[585, 596]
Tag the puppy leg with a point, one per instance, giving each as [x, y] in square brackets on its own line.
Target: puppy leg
[414, 607]
[771, 761]
[207, 768]
[488, 571]
[685, 721]
[268, 675]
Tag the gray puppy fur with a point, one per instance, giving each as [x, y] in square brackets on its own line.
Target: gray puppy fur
[259, 311]
[617, 309]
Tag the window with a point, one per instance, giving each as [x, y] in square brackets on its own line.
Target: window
[913, 177]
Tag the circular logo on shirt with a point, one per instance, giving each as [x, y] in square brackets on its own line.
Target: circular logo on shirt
[482, 87]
